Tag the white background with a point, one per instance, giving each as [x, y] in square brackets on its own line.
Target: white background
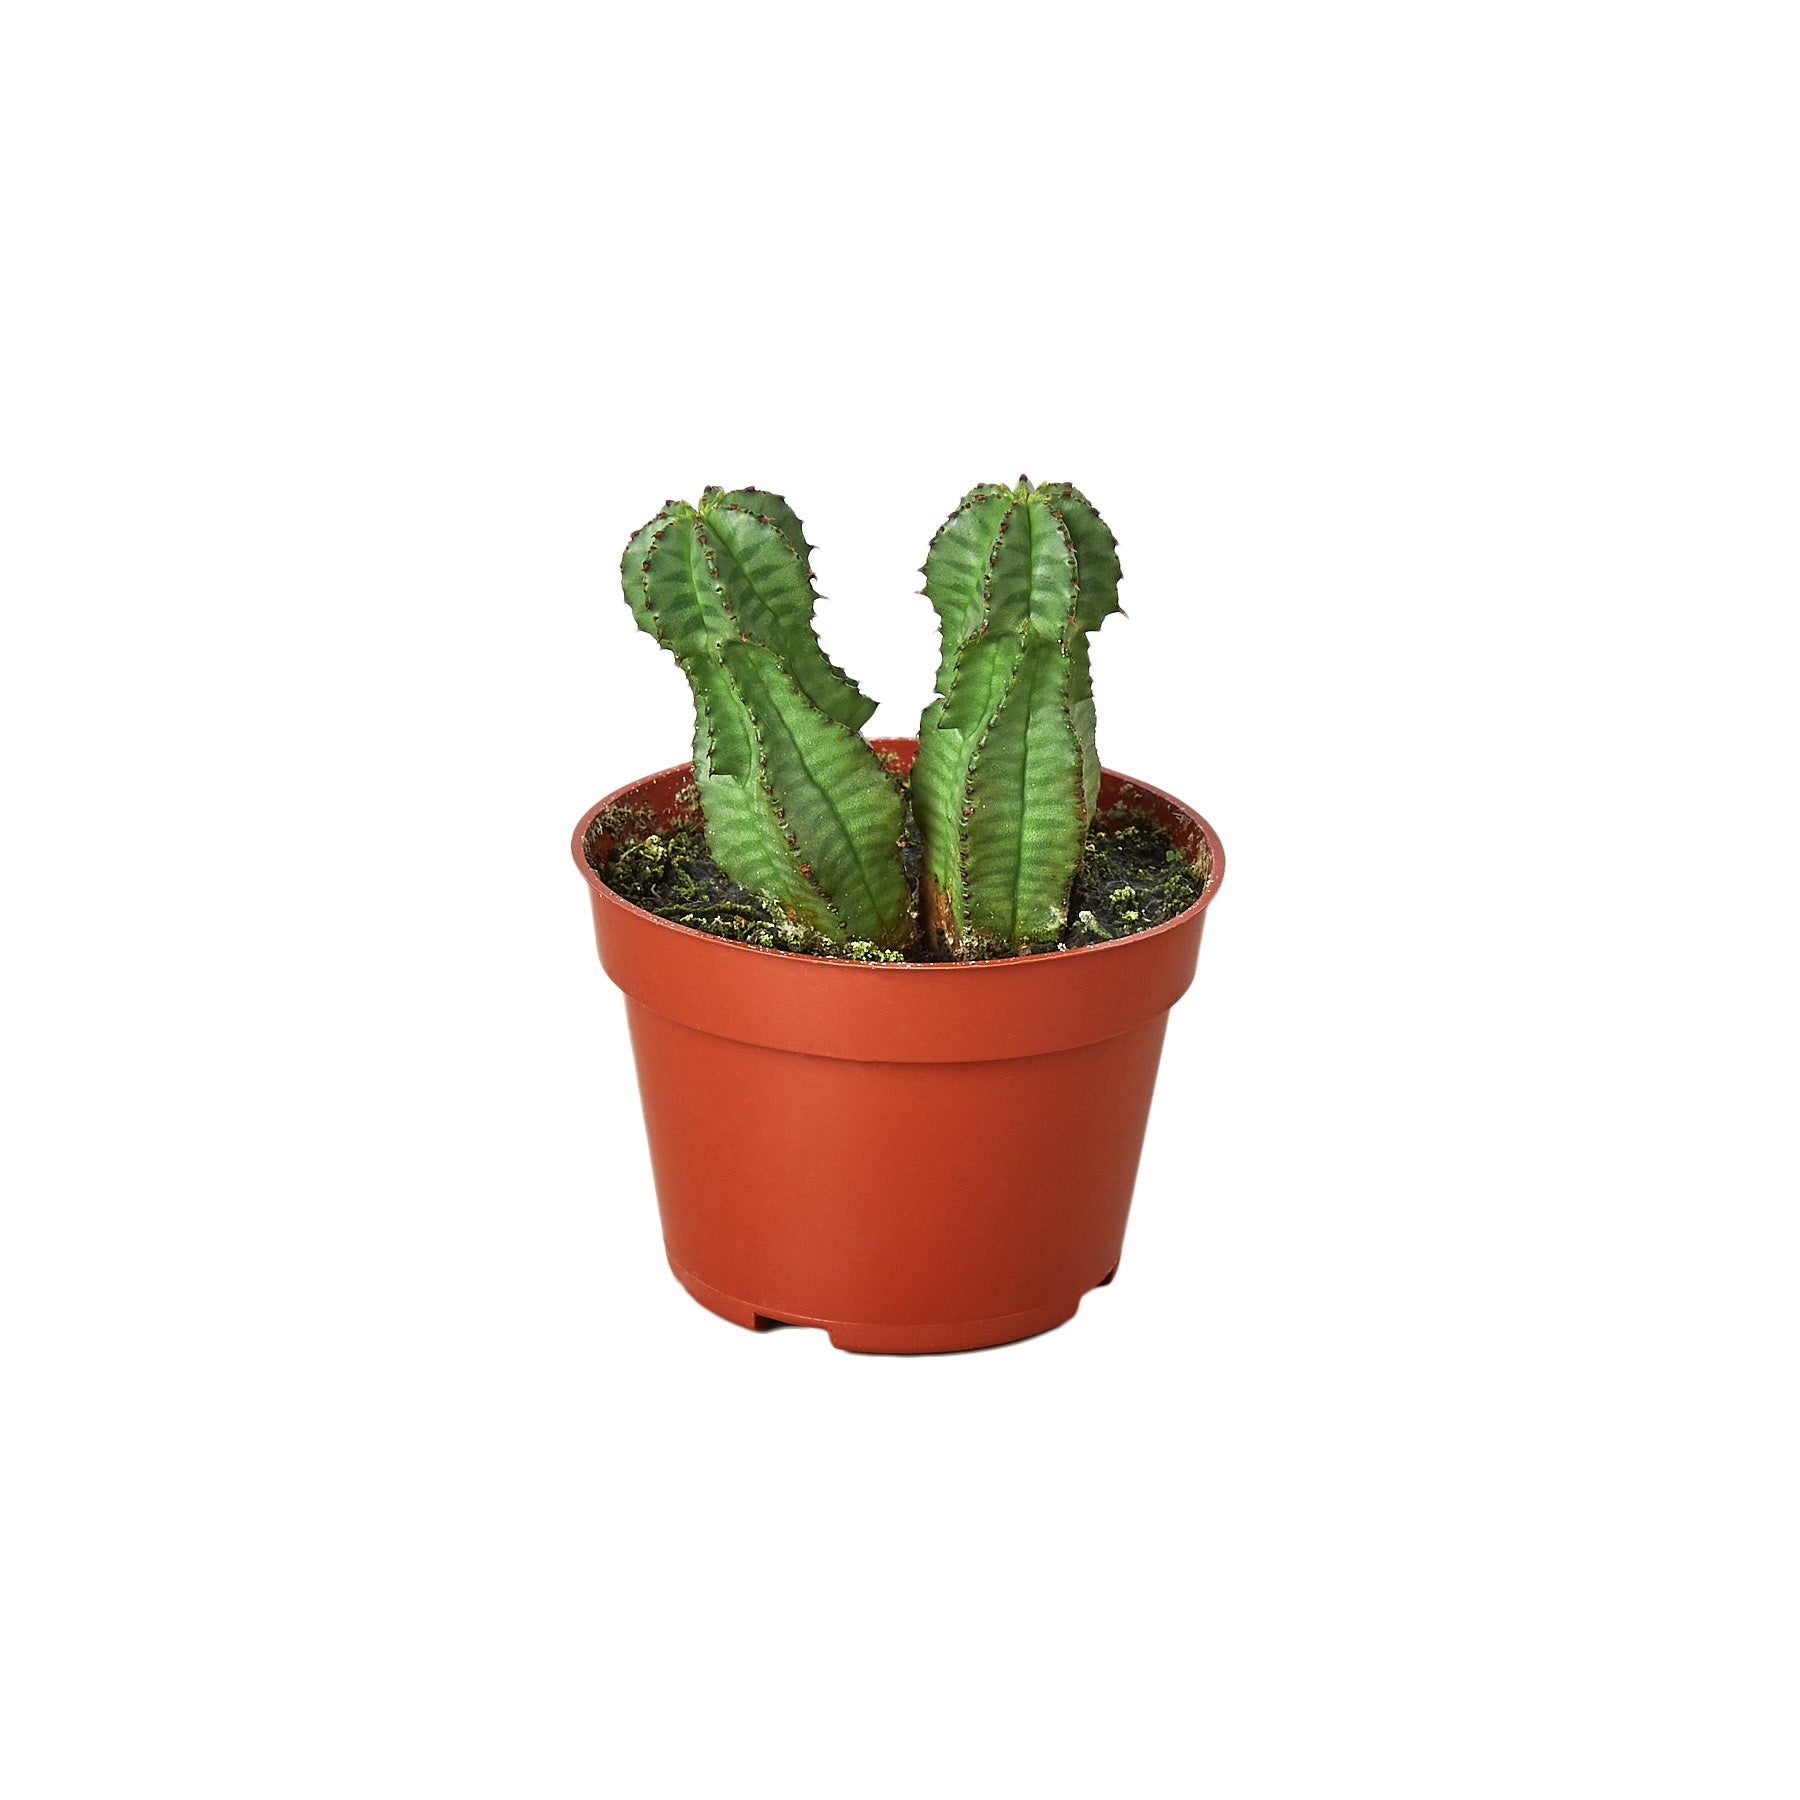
[1436, 367]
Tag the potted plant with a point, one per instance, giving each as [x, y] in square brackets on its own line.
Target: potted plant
[896, 1006]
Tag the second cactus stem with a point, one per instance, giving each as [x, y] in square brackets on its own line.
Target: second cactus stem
[1007, 774]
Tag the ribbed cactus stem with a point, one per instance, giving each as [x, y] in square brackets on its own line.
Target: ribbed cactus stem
[796, 805]
[1007, 774]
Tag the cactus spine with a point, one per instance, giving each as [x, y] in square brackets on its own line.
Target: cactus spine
[1007, 774]
[797, 806]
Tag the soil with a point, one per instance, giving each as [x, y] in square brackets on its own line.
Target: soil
[1133, 875]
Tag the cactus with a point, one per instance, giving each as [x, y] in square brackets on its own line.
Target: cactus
[796, 805]
[1007, 775]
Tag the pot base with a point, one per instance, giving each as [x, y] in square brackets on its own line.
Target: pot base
[894, 1340]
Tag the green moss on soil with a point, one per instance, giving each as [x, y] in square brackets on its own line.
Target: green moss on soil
[1133, 875]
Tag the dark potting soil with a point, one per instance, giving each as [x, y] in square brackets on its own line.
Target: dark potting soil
[1133, 875]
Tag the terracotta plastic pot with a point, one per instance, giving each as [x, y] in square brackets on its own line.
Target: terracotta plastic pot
[915, 1156]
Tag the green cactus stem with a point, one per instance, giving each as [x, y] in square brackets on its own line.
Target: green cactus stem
[796, 805]
[1007, 775]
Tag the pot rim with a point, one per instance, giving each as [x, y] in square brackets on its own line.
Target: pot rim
[1130, 786]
